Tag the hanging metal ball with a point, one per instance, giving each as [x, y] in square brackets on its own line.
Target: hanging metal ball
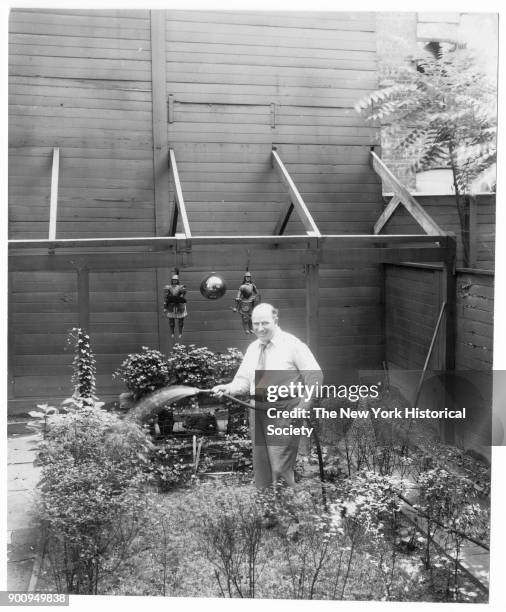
[213, 286]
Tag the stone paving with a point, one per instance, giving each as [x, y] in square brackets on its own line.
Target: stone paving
[22, 533]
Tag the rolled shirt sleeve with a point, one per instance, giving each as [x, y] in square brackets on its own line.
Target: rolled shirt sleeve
[241, 383]
[304, 358]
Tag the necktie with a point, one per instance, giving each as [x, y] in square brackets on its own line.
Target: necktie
[261, 357]
[261, 380]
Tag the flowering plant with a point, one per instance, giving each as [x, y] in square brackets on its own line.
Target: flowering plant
[201, 367]
[144, 372]
[149, 370]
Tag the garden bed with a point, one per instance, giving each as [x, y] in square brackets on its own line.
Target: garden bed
[209, 541]
[125, 513]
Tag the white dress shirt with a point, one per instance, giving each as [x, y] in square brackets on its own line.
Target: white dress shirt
[283, 352]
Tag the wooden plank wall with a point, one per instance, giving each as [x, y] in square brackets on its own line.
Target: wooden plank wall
[474, 351]
[485, 252]
[242, 82]
[412, 297]
[475, 321]
[412, 303]
[80, 80]
[351, 326]
[44, 308]
[239, 82]
[443, 211]
[413, 300]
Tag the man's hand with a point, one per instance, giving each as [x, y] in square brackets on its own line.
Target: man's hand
[219, 390]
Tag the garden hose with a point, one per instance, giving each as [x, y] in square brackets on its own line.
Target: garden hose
[234, 399]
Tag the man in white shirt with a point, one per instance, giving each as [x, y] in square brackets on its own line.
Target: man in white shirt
[274, 456]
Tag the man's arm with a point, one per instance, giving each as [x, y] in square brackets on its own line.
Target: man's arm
[241, 381]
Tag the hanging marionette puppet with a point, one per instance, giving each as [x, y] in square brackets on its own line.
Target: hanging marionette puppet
[247, 298]
[174, 303]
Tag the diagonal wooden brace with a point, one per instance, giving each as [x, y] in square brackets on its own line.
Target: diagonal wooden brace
[295, 197]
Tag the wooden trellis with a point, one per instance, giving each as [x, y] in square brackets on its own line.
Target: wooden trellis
[85, 255]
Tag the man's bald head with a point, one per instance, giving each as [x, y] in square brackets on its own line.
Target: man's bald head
[264, 320]
[269, 309]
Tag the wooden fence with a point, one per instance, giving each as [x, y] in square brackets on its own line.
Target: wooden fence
[480, 225]
[114, 90]
[413, 299]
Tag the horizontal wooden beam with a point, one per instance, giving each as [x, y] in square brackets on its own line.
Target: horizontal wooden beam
[474, 271]
[179, 242]
[382, 255]
[179, 195]
[418, 266]
[220, 260]
[295, 197]
[372, 239]
[224, 258]
[400, 191]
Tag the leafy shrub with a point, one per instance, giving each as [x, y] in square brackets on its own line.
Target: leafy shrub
[226, 365]
[211, 540]
[240, 449]
[92, 500]
[310, 554]
[232, 533]
[450, 505]
[41, 417]
[144, 372]
[238, 419]
[150, 370]
[367, 502]
[172, 464]
[201, 367]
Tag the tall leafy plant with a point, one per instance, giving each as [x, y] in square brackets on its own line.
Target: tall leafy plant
[442, 110]
[83, 366]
